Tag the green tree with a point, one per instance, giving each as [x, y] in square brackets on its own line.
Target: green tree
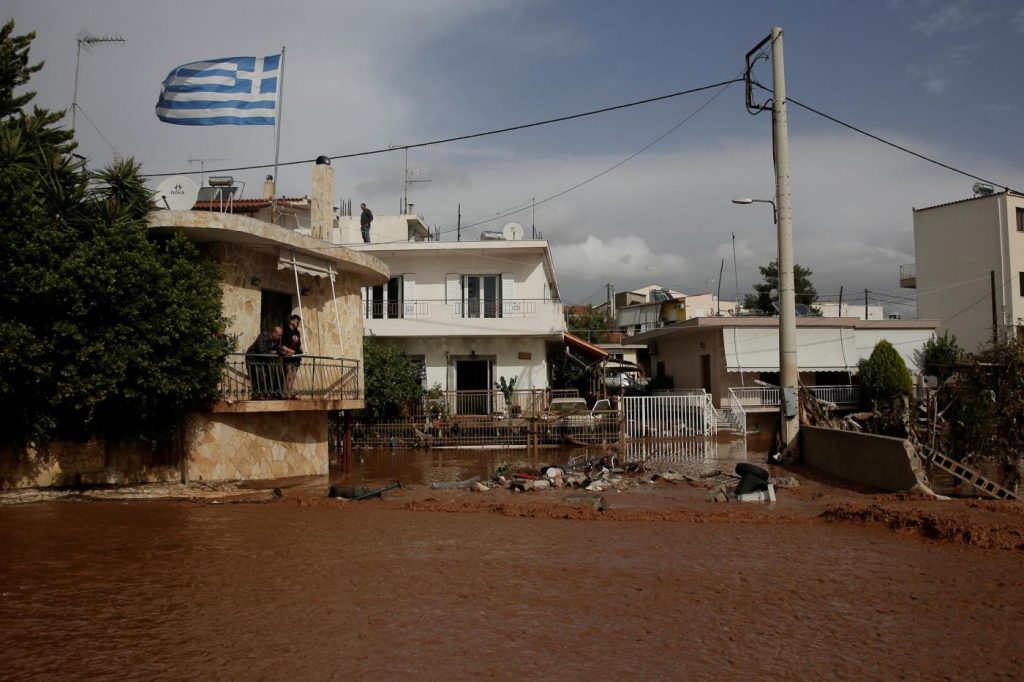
[588, 323]
[392, 379]
[106, 331]
[761, 300]
[884, 376]
[938, 356]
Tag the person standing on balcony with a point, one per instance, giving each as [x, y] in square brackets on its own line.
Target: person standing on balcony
[365, 218]
[262, 360]
[291, 345]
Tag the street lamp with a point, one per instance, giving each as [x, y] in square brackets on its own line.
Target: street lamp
[747, 200]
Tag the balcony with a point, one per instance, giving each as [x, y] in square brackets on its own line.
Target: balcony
[270, 383]
[433, 317]
[908, 276]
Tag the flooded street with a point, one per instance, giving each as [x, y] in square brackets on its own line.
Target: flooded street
[311, 588]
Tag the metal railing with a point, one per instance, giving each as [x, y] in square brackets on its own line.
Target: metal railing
[737, 415]
[505, 307]
[523, 402]
[669, 416]
[304, 377]
[394, 310]
[766, 396]
[908, 271]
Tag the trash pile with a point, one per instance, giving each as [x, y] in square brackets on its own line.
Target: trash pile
[593, 474]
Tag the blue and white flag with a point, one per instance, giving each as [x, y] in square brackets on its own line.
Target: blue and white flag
[239, 91]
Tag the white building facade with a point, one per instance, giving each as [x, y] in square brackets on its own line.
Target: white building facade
[958, 245]
[471, 312]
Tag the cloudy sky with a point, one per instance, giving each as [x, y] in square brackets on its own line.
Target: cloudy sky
[939, 77]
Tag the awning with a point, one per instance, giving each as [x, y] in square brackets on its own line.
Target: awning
[304, 263]
[825, 349]
[587, 351]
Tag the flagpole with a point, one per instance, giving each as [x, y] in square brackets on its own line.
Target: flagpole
[277, 135]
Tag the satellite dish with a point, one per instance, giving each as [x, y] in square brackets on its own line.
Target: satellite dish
[176, 193]
[513, 231]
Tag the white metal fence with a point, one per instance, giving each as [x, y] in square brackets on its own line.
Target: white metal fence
[768, 396]
[669, 416]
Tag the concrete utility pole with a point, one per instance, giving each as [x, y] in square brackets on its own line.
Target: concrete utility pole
[789, 372]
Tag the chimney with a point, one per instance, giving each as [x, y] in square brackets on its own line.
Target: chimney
[268, 187]
[321, 210]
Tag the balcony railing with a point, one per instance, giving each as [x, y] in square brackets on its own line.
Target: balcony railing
[768, 396]
[908, 275]
[486, 402]
[424, 308]
[305, 377]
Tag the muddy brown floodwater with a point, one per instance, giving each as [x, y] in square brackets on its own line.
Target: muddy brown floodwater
[452, 584]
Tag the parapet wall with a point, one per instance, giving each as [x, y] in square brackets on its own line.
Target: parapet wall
[890, 464]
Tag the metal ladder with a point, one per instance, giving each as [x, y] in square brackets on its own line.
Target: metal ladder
[970, 476]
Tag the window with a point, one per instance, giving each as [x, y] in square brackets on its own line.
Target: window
[1020, 219]
[383, 300]
[481, 296]
[1021, 283]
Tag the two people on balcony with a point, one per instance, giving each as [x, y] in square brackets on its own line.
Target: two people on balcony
[365, 218]
[265, 361]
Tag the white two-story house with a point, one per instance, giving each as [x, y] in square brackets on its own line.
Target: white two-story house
[470, 311]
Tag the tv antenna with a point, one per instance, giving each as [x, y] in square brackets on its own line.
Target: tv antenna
[202, 167]
[412, 176]
[86, 40]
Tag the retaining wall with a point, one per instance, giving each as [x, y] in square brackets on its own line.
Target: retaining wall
[880, 461]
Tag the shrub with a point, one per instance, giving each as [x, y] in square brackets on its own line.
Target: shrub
[884, 375]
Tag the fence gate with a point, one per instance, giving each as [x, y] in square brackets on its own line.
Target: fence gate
[669, 416]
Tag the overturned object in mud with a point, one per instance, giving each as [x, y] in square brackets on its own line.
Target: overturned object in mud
[752, 478]
[356, 494]
[479, 487]
[767, 495]
[452, 485]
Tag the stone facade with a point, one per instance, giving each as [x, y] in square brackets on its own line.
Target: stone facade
[240, 265]
[253, 446]
[93, 463]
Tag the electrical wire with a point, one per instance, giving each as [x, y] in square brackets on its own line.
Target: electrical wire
[988, 294]
[471, 136]
[94, 127]
[887, 142]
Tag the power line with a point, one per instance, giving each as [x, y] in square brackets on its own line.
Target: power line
[460, 138]
[94, 127]
[887, 142]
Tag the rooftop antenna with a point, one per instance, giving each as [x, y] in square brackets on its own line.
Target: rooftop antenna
[202, 167]
[86, 39]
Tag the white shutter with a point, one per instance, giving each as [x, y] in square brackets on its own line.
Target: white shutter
[365, 292]
[453, 293]
[409, 295]
[509, 306]
[547, 291]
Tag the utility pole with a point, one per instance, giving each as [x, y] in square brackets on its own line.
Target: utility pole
[458, 226]
[840, 301]
[789, 371]
[611, 302]
[718, 312]
[865, 304]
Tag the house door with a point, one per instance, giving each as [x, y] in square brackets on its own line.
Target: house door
[275, 309]
[475, 376]
[705, 372]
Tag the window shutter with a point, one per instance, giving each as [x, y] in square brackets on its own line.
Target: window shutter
[409, 294]
[509, 306]
[453, 293]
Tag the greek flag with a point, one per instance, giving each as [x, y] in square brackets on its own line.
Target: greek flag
[239, 91]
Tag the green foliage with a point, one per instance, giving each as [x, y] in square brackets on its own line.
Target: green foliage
[761, 300]
[506, 387]
[565, 373]
[588, 323]
[435, 402]
[392, 379]
[106, 331]
[938, 356]
[983, 405]
[884, 375]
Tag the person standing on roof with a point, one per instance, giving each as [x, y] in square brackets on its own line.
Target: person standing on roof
[365, 218]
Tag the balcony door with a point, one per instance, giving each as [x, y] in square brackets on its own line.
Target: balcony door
[481, 295]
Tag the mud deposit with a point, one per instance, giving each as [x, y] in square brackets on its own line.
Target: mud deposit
[427, 585]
